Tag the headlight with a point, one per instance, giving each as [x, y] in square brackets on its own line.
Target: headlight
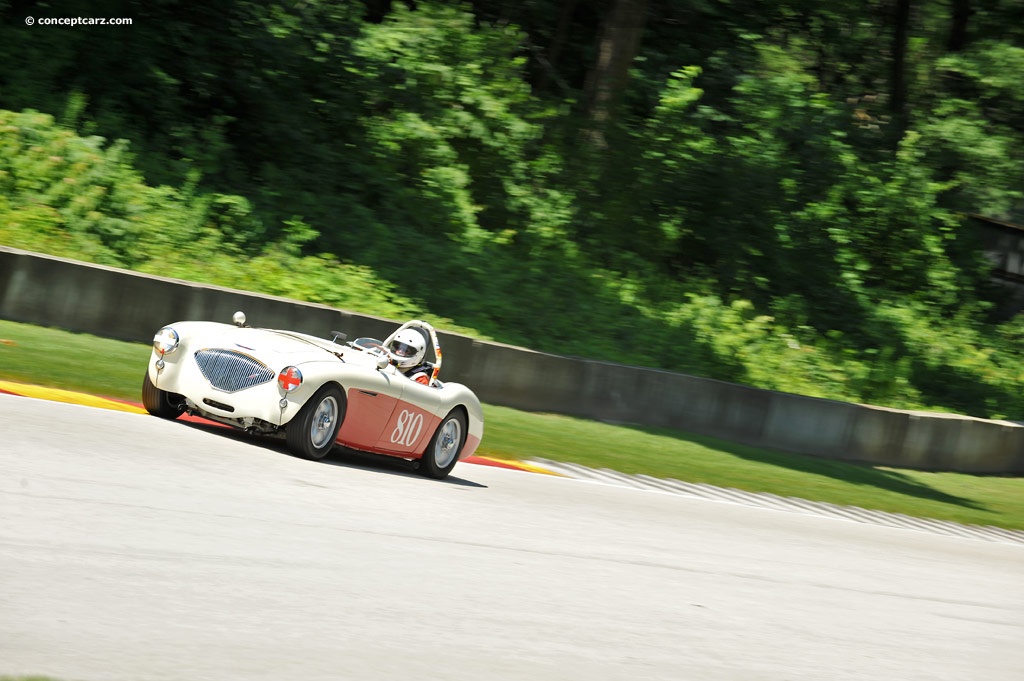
[289, 379]
[165, 341]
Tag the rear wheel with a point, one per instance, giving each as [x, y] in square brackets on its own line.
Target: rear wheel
[311, 433]
[443, 451]
[160, 402]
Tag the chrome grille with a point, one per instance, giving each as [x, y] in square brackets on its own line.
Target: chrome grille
[232, 371]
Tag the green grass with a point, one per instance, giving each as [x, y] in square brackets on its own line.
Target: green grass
[114, 369]
[73, 361]
[985, 500]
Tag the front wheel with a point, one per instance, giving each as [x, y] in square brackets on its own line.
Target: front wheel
[160, 402]
[311, 433]
[443, 451]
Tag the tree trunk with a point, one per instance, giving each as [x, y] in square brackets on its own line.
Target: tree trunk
[617, 46]
[558, 39]
[899, 58]
[958, 27]
[376, 10]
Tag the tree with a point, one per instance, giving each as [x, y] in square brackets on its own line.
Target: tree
[958, 25]
[901, 28]
[617, 47]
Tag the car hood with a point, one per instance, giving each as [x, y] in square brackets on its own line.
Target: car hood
[270, 346]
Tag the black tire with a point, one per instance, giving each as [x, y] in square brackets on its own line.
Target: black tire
[443, 451]
[311, 433]
[160, 402]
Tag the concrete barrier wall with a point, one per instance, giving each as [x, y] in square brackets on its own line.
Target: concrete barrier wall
[128, 306]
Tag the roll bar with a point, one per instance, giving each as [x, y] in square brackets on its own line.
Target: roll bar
[420, 324]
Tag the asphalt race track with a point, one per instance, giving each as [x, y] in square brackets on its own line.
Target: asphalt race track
[134, 549]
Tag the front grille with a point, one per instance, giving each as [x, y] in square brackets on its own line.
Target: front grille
[232, 371]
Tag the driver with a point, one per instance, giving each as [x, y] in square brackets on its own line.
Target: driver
[407, 350]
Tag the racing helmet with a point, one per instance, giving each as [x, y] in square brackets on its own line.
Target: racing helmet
[407, 348]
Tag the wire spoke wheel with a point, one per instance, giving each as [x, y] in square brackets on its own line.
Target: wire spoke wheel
[312, 432]
[446, 444]
[443, 451]
[322, 424]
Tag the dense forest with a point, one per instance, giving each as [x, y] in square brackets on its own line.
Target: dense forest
[772, 193]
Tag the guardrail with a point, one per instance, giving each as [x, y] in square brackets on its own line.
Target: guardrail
[129, 306]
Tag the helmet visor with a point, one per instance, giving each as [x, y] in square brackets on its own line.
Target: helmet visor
[402, 349]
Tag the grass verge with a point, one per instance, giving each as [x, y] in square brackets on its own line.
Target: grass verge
[111, 368]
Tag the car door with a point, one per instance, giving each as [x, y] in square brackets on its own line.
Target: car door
[413, 421]
[371, 404]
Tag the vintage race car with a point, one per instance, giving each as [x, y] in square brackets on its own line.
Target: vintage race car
[313, 392]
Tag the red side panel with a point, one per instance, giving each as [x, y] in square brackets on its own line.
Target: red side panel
[408, 431]
[378, 423]
[365, 417]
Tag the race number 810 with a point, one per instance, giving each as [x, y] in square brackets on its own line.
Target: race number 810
[407, 430]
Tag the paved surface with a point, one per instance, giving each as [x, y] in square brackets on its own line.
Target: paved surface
[75, 397]
[730, 495]
[697, 490]
[133, 548]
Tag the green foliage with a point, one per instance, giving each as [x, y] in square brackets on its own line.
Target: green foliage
[757, 209]
[973, 136]
[80, 198]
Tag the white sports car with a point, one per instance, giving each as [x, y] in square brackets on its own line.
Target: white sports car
[313, 392]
